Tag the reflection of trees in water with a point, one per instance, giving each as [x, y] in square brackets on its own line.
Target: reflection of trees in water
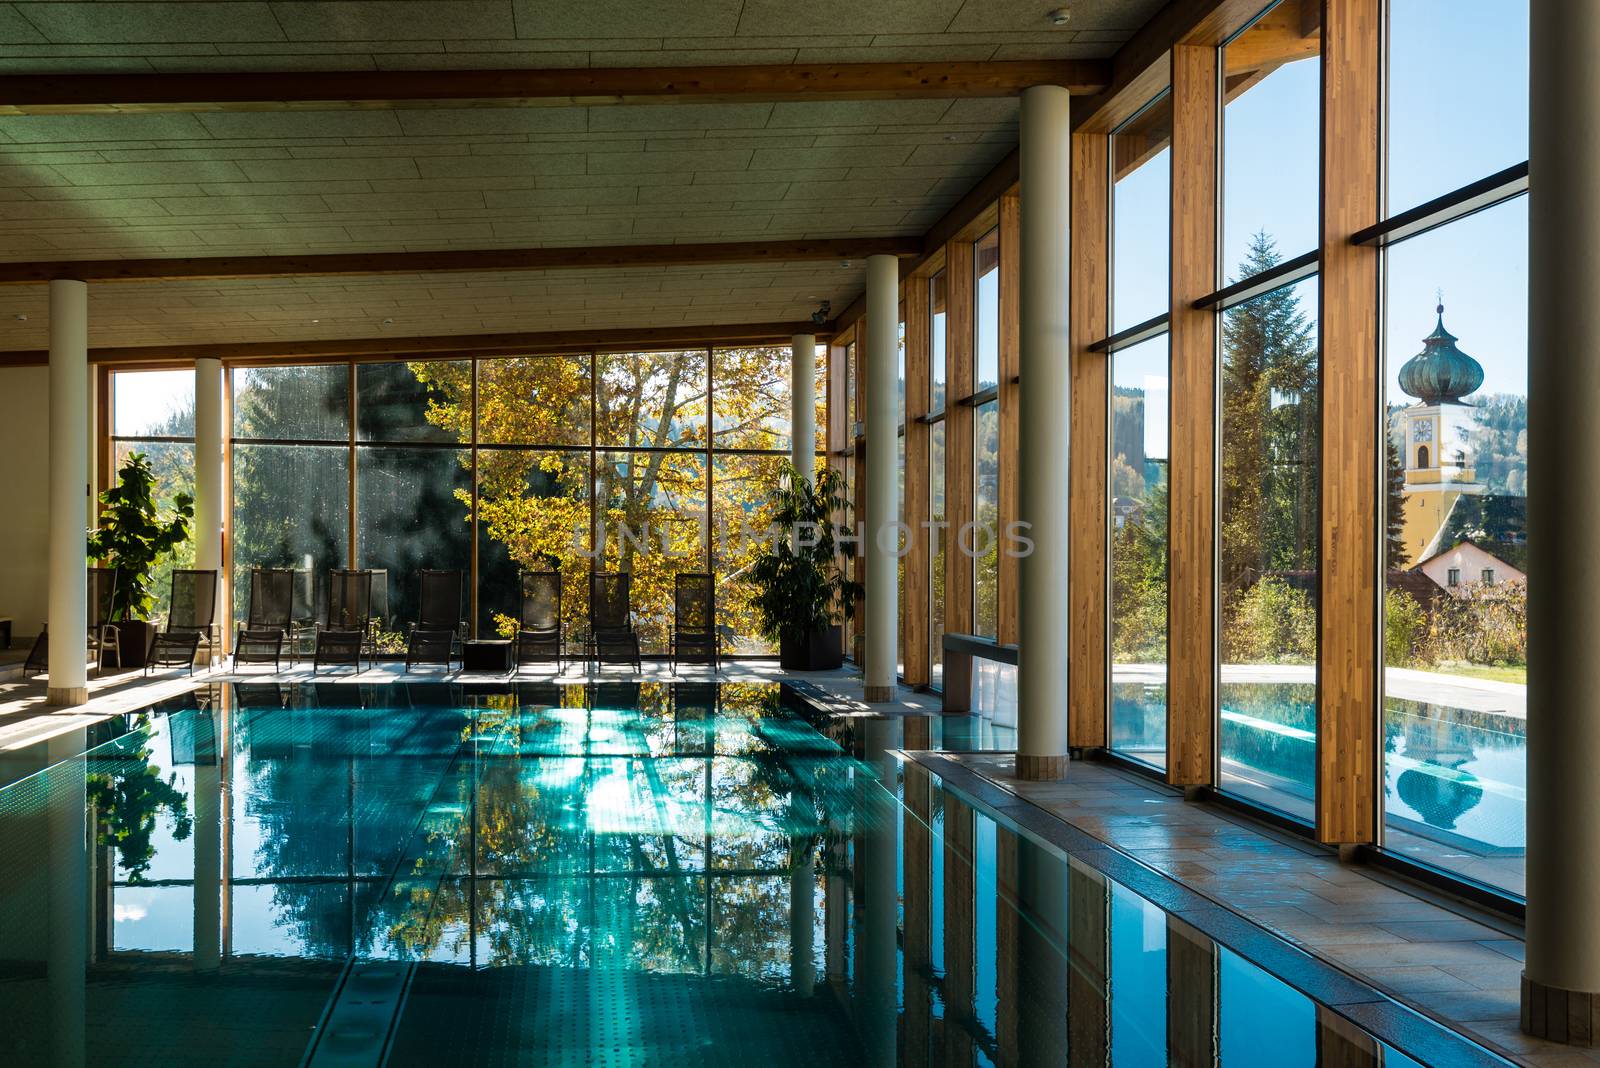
[551, 889]
[128, 794]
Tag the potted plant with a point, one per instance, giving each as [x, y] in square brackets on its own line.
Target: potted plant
[132, 538]
[804, 592]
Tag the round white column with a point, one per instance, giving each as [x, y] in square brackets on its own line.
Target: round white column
[1044, 433]
[1561, 979]
[803, 404]
[883, 513]
[69, 490]
[208, 472]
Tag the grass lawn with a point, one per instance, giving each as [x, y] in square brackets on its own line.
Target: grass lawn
[1517, 673]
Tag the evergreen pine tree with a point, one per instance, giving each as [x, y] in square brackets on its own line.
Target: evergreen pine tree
[1395, 511]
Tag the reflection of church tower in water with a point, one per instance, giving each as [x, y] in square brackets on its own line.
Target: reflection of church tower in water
[1436, 436]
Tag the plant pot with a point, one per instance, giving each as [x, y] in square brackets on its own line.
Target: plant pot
[135, 636]
[822, 650]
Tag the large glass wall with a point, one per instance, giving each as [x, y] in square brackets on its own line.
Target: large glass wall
[1455, 501]
[938, 315]
[1141, 191]
[152, 414]
[1268, 540]
[984, 540]
[654, 462]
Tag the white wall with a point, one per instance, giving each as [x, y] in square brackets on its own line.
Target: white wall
[24, 513]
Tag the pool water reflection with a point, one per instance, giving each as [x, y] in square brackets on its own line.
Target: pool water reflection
[663, 874]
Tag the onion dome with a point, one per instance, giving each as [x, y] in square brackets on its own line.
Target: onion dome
[1440, 373]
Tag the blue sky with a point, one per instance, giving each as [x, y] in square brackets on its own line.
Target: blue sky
[1449, 124]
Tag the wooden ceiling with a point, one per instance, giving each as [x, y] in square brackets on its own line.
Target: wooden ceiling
[408, 176]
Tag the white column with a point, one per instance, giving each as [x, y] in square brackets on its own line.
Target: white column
[69, 489]
[882, 535]
[803, 403]
[1561, 979]
[1044, 434]
[208, 470]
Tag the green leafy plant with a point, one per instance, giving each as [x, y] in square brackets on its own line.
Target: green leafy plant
[133, 537]
[129, 795]
[802, 586]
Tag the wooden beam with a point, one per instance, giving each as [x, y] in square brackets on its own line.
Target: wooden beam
[1349, 735]
[1090, 261]
[1191, 590]
[391, 349]
[94, 94]
[190, 268]
[1008, 578]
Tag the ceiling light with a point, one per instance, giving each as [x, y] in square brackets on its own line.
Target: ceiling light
[21, 318]
[1059, 17]
[845, 264]
[316, 320]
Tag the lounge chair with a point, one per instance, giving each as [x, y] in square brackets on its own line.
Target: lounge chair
[611, 618]
[191, 619]
[694, 620]
[344, 639]
[439, 622]
[103, 636]
[267, 625]
[539, 630]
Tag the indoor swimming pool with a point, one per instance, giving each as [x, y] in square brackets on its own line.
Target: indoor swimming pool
[622, 874]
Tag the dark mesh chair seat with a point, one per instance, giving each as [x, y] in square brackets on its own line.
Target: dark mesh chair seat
[611, 632]
[539, 629]
[439, 622]
[344, 638]
[104, 638]
[191, 619]
[694, 620]
[260, 640]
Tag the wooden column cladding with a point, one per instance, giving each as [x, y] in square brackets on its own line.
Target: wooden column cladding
[1348, 738]
[958, 441]
[1086, 578]
[1191, 604]
[1010, 408]
[914, 620]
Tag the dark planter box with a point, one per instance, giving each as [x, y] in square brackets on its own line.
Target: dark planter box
[135, 636]
[822, 651]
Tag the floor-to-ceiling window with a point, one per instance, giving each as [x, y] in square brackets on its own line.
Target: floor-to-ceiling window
[1456, 411]
[984, 540]
[1268, 503]
[903, 544]
[1140, 247]
[938, 313]
[653, 462]
[152, 414]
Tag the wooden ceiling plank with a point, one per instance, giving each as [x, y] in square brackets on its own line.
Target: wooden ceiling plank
[57, 94]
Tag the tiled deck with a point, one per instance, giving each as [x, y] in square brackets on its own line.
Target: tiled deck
[1423, 949]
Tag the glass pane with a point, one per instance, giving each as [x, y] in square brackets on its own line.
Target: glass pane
[1139, 976]
[413, 510]
[152, 404]
[1269, 538]
[751, 399]
[822, 397]
[292, 403]
[403, 402]
[1270, 129]
[652, 399]
[1139, 388]
[938, 310]
[982, 542]
[532, 400]
[1141, 218]
[1455, 636]
[290, 509]
[851, 416]
[986, 272]
[1448, 123]
[173, 465]
[940, 538]
[533, 513]
[652, 516]
[739, 488]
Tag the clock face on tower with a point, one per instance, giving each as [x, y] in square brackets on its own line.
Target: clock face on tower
[1422, 430]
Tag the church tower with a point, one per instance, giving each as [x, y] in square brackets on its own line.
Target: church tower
[1436, 436]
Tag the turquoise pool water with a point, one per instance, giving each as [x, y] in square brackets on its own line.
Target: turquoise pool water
[619, 875]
